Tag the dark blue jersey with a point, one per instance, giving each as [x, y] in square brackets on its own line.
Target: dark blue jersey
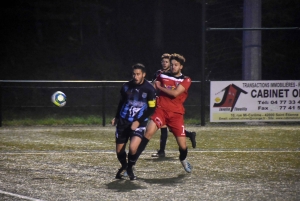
[137, 101]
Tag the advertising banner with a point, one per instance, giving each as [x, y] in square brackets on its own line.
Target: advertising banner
[243, 101]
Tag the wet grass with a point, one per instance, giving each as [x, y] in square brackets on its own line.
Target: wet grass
[79, 163]
[98, 138]
[51, 121]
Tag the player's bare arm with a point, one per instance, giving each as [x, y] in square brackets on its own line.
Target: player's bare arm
[174, 93]
[154, 85]
[113, 122]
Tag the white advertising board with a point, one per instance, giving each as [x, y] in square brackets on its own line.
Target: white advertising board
[243, 101]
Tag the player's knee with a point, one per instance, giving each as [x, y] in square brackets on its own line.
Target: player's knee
[132, 151]
[149, 135]
[150, 130]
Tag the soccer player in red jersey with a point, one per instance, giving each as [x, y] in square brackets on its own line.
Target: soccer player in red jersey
[165, 68]
[165, 64]
[169, 110]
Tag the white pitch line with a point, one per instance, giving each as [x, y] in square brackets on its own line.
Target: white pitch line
[149, 151]
[250, 151]
[19, 196]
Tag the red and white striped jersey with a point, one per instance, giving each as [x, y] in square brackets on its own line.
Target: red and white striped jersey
[168, 103]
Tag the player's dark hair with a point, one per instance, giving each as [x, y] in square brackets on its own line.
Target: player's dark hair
[165, 56]
[139, 66]
[177, 57]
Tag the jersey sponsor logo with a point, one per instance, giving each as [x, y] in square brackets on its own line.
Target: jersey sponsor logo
[170, 87]
[133, 111]
[136, 103]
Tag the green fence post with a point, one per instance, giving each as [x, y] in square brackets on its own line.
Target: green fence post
[103, 103]
[0, 104]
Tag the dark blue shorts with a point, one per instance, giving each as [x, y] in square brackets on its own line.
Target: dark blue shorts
[124, 133]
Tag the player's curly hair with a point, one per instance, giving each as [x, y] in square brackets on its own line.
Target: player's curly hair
[178, 57]
[165, 56]
[139, 66]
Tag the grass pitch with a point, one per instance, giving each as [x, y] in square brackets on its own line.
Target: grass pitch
[79, 163]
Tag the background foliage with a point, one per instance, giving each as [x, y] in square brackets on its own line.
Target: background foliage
[98, 40]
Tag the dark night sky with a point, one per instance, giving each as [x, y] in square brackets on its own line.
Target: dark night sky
[100, 39]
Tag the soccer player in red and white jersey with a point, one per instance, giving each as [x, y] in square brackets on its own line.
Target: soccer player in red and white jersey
[169, 110]
[165, 68]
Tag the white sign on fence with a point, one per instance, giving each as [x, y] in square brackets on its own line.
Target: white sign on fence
[242, 101]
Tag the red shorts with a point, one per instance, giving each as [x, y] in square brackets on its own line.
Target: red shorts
[174, 121]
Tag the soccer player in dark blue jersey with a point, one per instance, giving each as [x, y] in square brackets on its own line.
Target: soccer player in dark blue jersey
[137, 103]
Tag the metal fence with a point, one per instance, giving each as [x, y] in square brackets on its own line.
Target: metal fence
[32, 99]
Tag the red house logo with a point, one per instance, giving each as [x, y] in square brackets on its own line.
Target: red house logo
[230, 97]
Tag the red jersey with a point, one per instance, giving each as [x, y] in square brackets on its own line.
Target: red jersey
[168, 103]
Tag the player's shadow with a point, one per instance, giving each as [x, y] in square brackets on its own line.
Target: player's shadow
[158, 159]
[123, 185]
[165, 181]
